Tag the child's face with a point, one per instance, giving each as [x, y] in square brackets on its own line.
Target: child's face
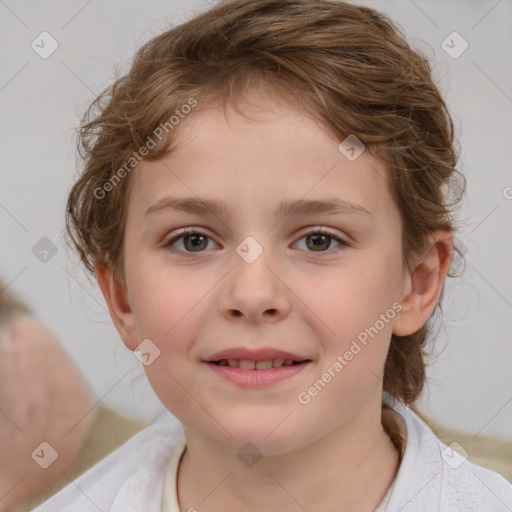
[301, 295]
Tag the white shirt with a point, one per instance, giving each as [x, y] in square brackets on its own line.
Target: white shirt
[170, 491]
[431, 477]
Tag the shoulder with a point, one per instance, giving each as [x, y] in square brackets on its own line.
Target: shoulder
[131, 476]
[433, 476]
[468, 486]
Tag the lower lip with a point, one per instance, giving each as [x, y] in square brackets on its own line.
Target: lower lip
[257, 378]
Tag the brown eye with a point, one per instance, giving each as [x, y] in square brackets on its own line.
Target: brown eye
[190, 241]
[197, 242]
[321, 241]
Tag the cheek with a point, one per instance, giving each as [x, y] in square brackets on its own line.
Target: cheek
[353, 312]
[356, 312]
[166, 309]
[352, 298]
[164, 300]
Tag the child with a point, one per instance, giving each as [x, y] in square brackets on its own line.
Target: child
[302, 150]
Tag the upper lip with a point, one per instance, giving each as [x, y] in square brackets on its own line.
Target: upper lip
[259, 354]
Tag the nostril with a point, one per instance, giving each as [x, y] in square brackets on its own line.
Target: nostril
[237, 313]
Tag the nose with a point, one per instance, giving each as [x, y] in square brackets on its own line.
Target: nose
[255, 291]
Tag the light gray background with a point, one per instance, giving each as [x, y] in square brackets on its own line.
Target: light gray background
[470, 385]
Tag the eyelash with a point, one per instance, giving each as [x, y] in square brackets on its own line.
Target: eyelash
[191, 231]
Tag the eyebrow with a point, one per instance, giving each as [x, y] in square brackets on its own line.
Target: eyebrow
[203, 206]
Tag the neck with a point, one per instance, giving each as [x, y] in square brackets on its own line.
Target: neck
[349, 469]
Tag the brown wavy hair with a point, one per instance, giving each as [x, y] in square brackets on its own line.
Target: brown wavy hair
[348, 66]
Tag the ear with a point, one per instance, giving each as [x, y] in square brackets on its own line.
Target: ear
[116, 297]
[423, 286]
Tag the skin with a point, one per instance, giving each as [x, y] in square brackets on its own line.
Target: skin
[333, 453]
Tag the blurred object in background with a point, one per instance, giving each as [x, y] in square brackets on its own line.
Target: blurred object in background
[46, 407]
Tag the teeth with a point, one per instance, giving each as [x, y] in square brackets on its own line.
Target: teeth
[247, 364]
[263, 365]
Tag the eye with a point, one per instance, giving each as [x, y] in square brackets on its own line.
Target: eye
[317, 240]
[320, 240]
[192, 240]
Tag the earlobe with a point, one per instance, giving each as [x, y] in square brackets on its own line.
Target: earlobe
[116, 297]
[423, 286]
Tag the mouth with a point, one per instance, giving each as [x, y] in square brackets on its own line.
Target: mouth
[250, 358]
[257, 369]
[251, 367]
[249, 364]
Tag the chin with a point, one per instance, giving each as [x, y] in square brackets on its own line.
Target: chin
[271, 435]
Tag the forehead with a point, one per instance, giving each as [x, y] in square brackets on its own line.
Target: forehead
[252, 163]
